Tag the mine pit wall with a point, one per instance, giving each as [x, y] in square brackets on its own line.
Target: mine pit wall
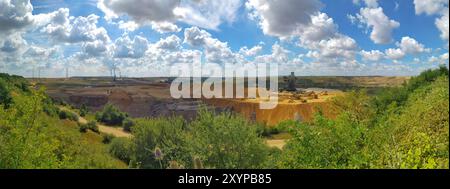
[137, 107]
[150, 107]
[93, 101]
[272, 117]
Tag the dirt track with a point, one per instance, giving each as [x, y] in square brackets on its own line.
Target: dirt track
[116, 131]
[276, 143]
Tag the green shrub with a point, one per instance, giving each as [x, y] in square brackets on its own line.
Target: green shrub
[399, 95]
[324, 143]
[222, 141]
[427, 77]
[30, 139]
[167, 134]
[64, 114]
[225, 141]
[121, 148]
[267, 131]
[111, 115]
[49, 108]
[419, 130]
[16, 83]
[83, 128]
[107, 138]
[128, 124]
[5, 95]
[92, 125]
[83, 110]
[405, 127]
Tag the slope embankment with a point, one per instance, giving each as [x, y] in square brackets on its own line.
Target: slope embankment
[271, 117]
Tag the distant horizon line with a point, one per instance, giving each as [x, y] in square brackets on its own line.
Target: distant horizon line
[218, 77]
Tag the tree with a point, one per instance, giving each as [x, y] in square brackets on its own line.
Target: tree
[226, 141]
[111, 115]
[324, 143]
[5, 96]
[223, 141]
[409, 128]
[33, 137]
[419, 130]
[84, 110]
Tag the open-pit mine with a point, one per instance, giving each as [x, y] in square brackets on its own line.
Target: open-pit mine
[150, 97]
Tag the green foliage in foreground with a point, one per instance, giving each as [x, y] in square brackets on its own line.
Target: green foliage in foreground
[30, 138]
[419, 131]
[120, 148]
[216, 140]
[226, 141]
[404, 127]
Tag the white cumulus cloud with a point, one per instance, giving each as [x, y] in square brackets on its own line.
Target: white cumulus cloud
[381, 26]
[435, 7]
[282, 18]
[127, 48]
[373, 55]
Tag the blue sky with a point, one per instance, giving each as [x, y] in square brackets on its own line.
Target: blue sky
[310, 37]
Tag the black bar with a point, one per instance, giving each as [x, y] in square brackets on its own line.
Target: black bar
[125, 178]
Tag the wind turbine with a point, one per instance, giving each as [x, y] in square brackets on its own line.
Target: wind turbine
[66, 65]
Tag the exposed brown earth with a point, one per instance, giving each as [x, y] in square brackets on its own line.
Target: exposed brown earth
[274, 116]
[150, 97]
[137, 98]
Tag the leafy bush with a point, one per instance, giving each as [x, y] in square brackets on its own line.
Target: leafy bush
[355, 104]
[405, 127]
[16, 83]
[121, 148]
[427, 77]
[324, 143]
[267, 131]
[225, 141]
[83, 110]
[92, 125]
[5, 95]
[83, 128]
[167, 134]
[64, 114]
[49, 108]
[217, 140]
[107, 138]
[419, 131]
[111, 115]
[30, 139]
[399, 95]
[128, 124]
